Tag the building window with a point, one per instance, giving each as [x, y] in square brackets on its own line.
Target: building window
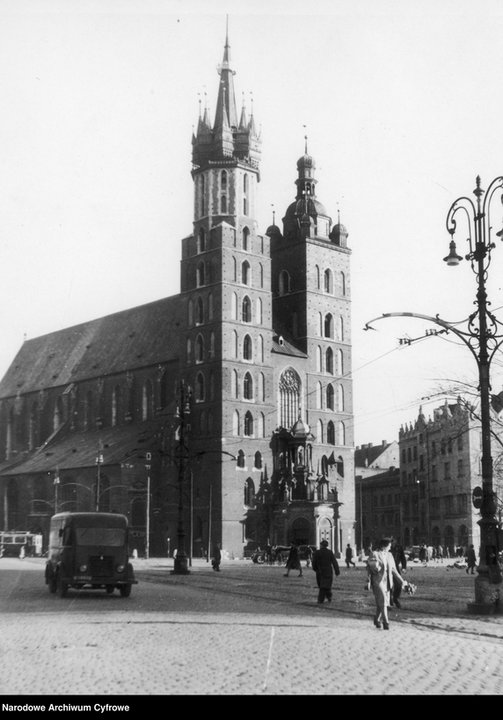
[258, 460]
[245, 273]
[327, 281]
[447, 471]
[236, 344]
[147, 401]
[261, 382]
[247, 348]
[328, 329]
[330, 433]
[212, 345]
[249, 494]
[241, 459]
[340, 362]
[246, 315]
[261, 274]
[341, 329]
[246, 238]
[248, 424]
[199, 349]
[199, 311]
[223, 204]
[200, 387]
[330, 397]
[210, 306]
[289, 398]
[189, 350]
[190, 312]
[116, 405]
[248, 387]
[329, 361]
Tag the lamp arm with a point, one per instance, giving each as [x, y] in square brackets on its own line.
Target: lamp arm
[464, 336]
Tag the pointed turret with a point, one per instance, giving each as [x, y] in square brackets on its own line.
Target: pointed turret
[306, 217]
[227, 139]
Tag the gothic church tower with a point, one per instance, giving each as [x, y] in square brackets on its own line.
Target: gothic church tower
[225, 278]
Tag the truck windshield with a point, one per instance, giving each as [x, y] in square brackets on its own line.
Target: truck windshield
[111, 537]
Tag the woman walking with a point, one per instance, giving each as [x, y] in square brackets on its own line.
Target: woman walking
[293, 562]
[382, 574]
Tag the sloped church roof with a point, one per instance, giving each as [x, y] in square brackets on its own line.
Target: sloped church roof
[141, 336]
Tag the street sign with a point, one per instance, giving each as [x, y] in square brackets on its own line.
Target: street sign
[477, 497]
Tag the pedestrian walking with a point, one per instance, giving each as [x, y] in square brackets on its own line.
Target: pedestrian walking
[293, 560]
[423, 554]
[349, 556]
[398, 554]
[471, 560]
[325, 565]
[217, 558]
[382, 574]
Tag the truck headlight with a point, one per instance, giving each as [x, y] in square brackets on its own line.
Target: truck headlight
[83, 568]
[120, 568]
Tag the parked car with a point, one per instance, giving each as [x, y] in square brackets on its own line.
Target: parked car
[412, 553]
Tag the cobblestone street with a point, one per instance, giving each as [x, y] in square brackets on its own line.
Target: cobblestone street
[244, 631]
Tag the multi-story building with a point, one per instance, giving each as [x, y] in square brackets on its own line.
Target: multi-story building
[440, 465]
[236, 391]
[377, 493]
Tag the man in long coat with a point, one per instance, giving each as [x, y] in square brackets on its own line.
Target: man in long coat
[324, 564]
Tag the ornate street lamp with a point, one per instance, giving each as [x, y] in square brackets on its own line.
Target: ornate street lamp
[484, 338]
[482, 333]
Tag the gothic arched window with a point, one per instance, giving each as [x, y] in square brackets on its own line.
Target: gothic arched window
[199, 311]
[200, 390]
[248, 387]
[245, 238]
[248, 424]
[199, 349]
[329, 361]
[330, 433]
[289, 398]
[247, 348]
[246, 313]
[328, 329]
[330, 397]
[245, 273]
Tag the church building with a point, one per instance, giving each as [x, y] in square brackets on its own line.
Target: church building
[222, 414]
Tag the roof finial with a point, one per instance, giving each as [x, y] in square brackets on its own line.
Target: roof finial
[226, 31]
[273, 214]
[305, 140]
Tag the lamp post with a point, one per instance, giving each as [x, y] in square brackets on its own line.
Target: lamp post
[482, 333]
[180, 566]
[99, 463]
[485, 338]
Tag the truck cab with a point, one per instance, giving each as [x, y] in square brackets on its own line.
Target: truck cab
[89, 551]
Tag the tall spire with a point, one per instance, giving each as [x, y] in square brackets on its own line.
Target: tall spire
[226, 113]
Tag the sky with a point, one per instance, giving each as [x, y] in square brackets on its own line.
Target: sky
[400, 102]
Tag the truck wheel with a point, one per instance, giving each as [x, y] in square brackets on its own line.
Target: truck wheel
[61, 587]
[125, 590]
